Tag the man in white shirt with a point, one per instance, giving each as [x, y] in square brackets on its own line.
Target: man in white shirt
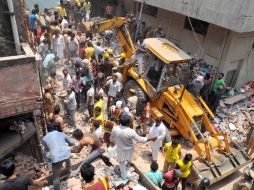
[71, 106]
[72, 46]
[125, 138]
[157, 130]
[114, 88]
[98, 132]
[90, 99]
[64, 23]
[66, 79]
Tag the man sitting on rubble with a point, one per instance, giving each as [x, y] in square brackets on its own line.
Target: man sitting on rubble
[13, 181]
[96, 152]
[87, 173]
[125, 138]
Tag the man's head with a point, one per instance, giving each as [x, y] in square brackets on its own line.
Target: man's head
[7, 168]
[89, 85]
[56, 59]
[187, 158]
[114, 77]
[72, 36]
[33, 11]
[98, 43]
[97, 111]
[87, 172]
[221, 75]
[157, 122]
[78, 134]
[154, 166]
[125, 120]
[65, 72]
[77, 74]
[97, 97]
[143, 23]
[56, 109]
[207, 76]
[175, 143]
[89, 44]
[177, 173]
[61, 2]
[69, 90]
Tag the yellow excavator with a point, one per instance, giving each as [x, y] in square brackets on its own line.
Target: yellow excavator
[163, 80]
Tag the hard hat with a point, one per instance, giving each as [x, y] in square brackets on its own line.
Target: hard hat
[110, 51]
[86, 61]
[122, 55]
[106, 55]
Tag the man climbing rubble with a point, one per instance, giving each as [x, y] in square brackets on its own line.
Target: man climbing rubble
[124, 137]
[96, 152]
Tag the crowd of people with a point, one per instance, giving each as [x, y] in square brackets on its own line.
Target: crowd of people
[92, 75]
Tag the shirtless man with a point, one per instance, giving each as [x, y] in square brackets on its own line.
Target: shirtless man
[55, 119]
[96, 152]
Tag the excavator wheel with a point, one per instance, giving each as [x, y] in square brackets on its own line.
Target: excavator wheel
[142, 97]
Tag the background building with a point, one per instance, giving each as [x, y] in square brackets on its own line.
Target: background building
[224, 31]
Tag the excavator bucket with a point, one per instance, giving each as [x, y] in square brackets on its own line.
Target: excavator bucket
[222, 164]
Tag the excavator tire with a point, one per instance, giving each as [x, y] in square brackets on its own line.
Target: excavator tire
[142, 97]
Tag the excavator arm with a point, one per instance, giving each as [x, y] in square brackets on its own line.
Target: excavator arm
[118, 23]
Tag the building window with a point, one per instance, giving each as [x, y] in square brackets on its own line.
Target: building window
[199, 26]
[148, 9]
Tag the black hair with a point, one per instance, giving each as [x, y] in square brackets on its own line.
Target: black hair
[89, 44]
[87, 172]
[154, 166]
[7, 168]
[78, 134]
[97, 109]
[56, 58]
[175, 141]
[188, 157]
[88, 84]
[207, 76]
[33, 11]
[57, 109]
[97, 97]
[96, 124]
[98, 43]
[125, 120]
[222, 74]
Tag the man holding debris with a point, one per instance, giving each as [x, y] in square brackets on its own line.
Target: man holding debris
[125, 138]
[96, 152]
[14, 182]
[56, 143]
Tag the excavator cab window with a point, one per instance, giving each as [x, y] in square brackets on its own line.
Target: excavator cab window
[154, 71]
[174, 74]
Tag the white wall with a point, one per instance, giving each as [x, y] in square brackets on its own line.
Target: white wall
[236, 15]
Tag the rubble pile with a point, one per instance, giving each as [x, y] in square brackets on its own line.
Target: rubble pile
[237, 120]
[28, 165]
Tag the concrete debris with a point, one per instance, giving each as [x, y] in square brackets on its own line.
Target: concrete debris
[18, 126]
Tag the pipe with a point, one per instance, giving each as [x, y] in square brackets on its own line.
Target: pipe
[140, 15]
[14, 27]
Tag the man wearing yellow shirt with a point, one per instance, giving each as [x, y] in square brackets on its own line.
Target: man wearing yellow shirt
[89, 51]
[61, 10]
[172, 152]
[184, 166]
[99, 103]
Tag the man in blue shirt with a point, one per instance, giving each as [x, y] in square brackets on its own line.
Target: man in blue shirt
[56, 143]
[154, 175]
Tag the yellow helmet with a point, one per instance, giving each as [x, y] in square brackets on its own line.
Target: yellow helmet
[110, 51]
[122, 55]
[106, 55]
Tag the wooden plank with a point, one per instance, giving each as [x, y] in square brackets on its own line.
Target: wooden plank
[237, 98]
